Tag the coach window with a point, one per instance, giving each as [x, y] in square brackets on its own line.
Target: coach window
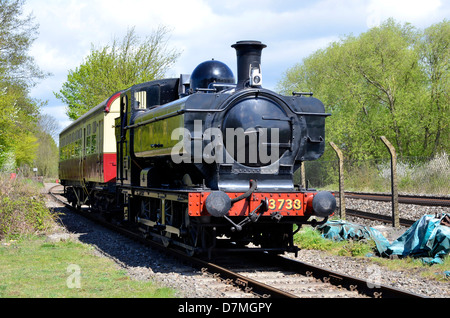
[61, 149]
[77, 148]
[84, 142]
[94, 137]
[93, 143]
[100, 136]
[140, 100]
[72, 146]
[88, 139]
[154, 96]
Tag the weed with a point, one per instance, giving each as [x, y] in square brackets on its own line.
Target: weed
[23, 209]
[310, 238]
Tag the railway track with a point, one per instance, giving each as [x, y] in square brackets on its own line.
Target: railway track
[406, 199]
[377, 217]
[426, 201]
[279, 277]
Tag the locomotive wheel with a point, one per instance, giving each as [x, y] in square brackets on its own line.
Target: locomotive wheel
[76, 205]
[191, 240]
[145, 209]
[192, 234]
[275, 239]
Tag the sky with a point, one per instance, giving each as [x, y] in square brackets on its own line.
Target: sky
[202, 30]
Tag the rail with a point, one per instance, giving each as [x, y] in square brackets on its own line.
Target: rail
[406, 199]
[254, 286]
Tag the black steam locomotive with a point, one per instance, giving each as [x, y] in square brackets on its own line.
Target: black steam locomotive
[206, 163]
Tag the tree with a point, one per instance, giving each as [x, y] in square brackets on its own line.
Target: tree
[49, 125]
[387, 66]
[115, 67]
[18, 73]
[25, 150]
[17, 34]
[17, 124]
[374, 85]
[435, 57]
[47, 154]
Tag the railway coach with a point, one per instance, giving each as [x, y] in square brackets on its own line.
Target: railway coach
[87, 165]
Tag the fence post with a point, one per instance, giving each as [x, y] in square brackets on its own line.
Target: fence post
[341, 180]
[394, 185]
[303, 174]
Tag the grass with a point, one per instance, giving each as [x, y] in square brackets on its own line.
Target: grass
[416, 266]
[31, 267]
[35, 268]
[311, 239]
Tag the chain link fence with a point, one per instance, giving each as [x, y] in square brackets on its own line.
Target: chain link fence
[408, 175]
[415, 175]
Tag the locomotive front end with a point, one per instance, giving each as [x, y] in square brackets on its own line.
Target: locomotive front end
[260, 139]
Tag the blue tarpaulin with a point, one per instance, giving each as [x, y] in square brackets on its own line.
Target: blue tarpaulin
[339, 230]
[426, 238]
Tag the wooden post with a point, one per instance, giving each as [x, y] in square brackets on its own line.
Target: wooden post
[394, 185]
[341, 180]
[303, 174]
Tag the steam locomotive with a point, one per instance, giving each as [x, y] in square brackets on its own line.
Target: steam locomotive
[203, 161]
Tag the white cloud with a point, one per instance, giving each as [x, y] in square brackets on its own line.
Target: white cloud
[204, 29]
[51, 58]
[417, 12]
[146, 15]
[59, 113]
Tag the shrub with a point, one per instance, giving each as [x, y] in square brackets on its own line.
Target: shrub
[23, 209]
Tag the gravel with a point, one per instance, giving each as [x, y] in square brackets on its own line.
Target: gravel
[143, 263]
[406, 211]
[364, 268]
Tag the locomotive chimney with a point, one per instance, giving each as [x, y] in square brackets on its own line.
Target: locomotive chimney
[249, 62]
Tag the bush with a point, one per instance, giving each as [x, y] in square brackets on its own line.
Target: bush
[23, 209]
[421, 175]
